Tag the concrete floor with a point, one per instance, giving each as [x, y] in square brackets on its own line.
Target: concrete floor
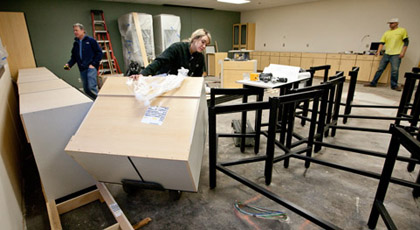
[342, 198]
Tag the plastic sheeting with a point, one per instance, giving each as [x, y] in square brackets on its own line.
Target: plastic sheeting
[130, 41]
[146, 91]
[167, 29]
[3, 55]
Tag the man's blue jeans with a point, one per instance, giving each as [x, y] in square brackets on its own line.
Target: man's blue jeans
[395, 61]
[90, 84]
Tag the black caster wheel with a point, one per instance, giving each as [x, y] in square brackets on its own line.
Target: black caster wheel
[129, 189]
[175, 194]
[416, 193]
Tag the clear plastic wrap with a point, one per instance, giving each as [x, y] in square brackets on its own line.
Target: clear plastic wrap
[167, 29]
[130, 41]
[146, 89]
[3, 55]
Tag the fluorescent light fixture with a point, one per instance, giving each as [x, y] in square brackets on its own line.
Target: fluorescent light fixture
[234, 1]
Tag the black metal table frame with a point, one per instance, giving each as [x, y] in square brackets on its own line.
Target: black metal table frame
[399, 137]
[332, 108]
[287, 103]
[402, 108]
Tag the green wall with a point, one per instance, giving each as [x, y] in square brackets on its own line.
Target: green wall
[50, 27]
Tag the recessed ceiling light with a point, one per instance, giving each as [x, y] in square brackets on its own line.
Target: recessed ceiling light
[234, 1]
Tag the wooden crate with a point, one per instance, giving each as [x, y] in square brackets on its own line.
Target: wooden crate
[112, 136]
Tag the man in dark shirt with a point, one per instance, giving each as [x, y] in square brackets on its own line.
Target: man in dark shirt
[181, 54]
[87, 54]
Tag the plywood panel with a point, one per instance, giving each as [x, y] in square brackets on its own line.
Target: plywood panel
[15, 37]
[49, 131]
[40, 86]
[52, 99]
[10, 152]
[31, 71]
[36, 77]
[114, 126]
[116, 86]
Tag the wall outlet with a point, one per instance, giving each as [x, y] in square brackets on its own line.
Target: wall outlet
[80, 80]
[264, 44]
[284, 44]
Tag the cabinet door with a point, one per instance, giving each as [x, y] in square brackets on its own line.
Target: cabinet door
[306, 63]
[346, 66]
[365, 68]
[258, 58]
[386, 75]
[236, 35]
[295, 61]
[284, 60]
[335, 64]
[265, 61]
[319, 62]
[274, 60]
[243, 32]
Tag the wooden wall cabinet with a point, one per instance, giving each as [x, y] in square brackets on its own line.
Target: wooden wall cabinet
[244, 36]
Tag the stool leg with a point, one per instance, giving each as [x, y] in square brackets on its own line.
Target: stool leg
[212, 148]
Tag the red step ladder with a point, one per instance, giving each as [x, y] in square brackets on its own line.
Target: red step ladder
[108, 64]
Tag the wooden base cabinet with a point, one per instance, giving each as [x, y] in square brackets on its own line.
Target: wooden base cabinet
[214, 67]
[386, 75]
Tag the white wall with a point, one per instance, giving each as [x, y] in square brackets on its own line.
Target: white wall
[335, 26]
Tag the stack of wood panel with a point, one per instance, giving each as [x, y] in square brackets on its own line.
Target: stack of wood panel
[51, 111]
